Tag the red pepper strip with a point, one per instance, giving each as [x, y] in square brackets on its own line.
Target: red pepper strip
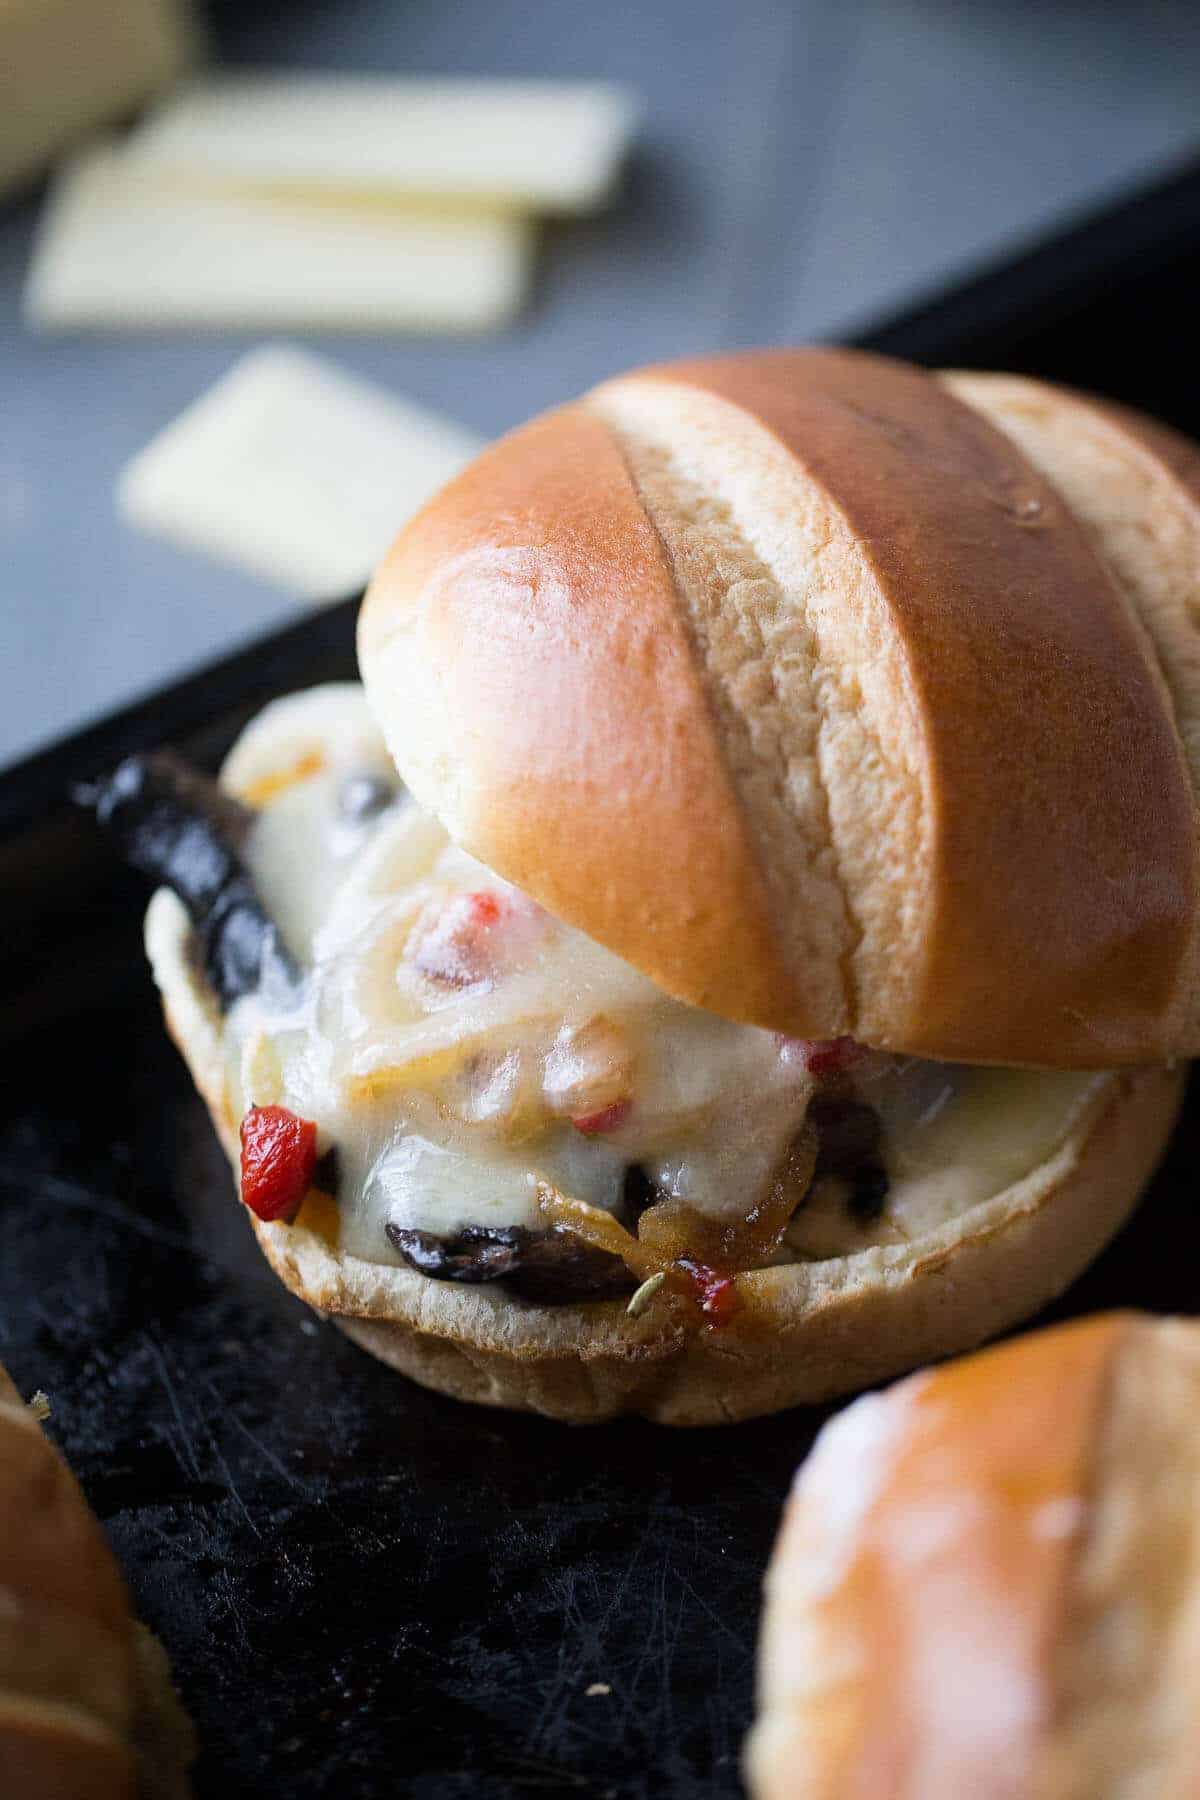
[716, 1295]
[830, 1056]
[484, 909]
[279, 1154]
[457, 947]
[607, 1118]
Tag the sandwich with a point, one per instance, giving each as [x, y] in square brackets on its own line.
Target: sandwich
[87, 1708]
[986, 1582]
[740, 940]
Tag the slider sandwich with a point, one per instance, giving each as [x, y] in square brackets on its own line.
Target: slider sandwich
[772, 971]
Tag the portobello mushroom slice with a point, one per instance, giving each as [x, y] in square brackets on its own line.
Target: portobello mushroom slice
[552, 1267]
[849, 1144]
[178, 827]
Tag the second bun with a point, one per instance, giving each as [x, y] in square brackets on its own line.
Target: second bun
[987, 1582]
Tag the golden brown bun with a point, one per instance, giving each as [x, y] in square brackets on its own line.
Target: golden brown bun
[987, 1582]
[1134, 486]
[804, 1332]
[87, 1711]
[789, 678]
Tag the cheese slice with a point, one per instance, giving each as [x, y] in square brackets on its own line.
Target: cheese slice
[67, 66]
[294, 470]
[120, 249]
[544, 146]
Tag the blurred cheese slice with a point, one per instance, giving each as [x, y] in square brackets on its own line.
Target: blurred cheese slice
[67, 66]
[540, 146]
[120, 249]
[294, 470]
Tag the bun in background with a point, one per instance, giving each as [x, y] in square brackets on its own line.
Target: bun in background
[987, 1582]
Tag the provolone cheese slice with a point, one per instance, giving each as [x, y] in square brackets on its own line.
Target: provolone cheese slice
[551, 146]
[121, 249]
[293, 469]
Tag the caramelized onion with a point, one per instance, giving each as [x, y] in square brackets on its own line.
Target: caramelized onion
[598, 1228]
[673, 1231]
[588, 1068]
[673, 1238]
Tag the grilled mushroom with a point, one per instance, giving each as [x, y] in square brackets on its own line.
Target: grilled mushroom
[551, 1267]
[177, 826]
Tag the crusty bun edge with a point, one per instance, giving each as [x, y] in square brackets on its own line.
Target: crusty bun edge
[87, 1706]
[163, 1735]
[803, 1333]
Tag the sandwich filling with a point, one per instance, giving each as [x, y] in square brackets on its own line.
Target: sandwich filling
[485, 1094]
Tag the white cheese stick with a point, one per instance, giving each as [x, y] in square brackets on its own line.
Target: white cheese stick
[541, 146]
[294, 470]
[67, 66]
[121, 250]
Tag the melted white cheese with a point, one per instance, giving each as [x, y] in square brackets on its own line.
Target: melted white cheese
[457, 1044]
[995, 1127]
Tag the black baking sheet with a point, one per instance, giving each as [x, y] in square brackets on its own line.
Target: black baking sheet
[367, 1589]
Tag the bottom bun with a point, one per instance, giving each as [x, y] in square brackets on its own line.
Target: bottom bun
[803, 1332]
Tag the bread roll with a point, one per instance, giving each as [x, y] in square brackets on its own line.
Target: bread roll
[789, 678]
[985, 1583]
[87, 1711]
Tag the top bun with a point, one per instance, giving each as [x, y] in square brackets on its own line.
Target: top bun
[792, 679]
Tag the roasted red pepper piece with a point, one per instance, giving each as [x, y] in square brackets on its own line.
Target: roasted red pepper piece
[458, 947]
[279, 1154]
[606, 1118]
[715, 1295]
[824, 1056]
[483, 908]
[719, 1300]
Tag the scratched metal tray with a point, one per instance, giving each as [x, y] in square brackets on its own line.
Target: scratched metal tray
[366, 1588]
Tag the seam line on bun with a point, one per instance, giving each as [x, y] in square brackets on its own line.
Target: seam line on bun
[711, 556]
[1066, 1638]
[733, 719]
